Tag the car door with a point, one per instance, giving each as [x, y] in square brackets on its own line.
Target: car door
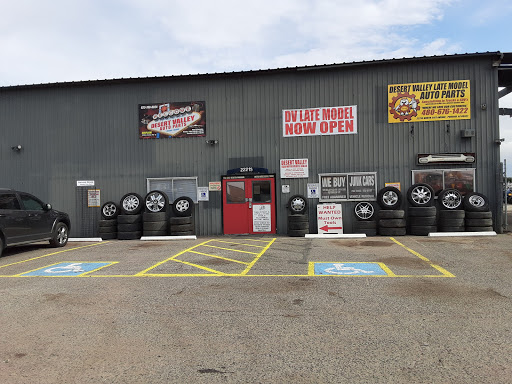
[39, 219]
[13, 220]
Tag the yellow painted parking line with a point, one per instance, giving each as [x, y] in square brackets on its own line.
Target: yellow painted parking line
[257, 258]
[54, 253]
[219, 257]
[201, 267]
[435, 266]
[230, 249]
[232, 242]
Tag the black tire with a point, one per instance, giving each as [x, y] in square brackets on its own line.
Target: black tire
[451, 222]
[155, 226]
[154, 216]
[422, 230]
[364, 225]
[421, 211]
[394, 214]
[102, 230]
[297, 204]
[183, 206]
[392, 231]
[181, 220]
[422, 220]
[154, 233]
[129, 227]
[441, 228]
[110, 210]
[476, 202]
[479, 229]
[129, 219]
[181, 228]
[156, 201]
[109, 236]
[478, 215]
[184, 233]
[389, 198]
[298, 225]
[131, 204]
[420, 195]
[60, 235]
[297, 232]
[391, 223]
[450, 199]
[478, 222]
[133, 235]
[452, 214]
[107, 223]
[364, 210]
[298, 218]
[1, 246]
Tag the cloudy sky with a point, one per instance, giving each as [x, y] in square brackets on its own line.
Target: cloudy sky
[69, 40]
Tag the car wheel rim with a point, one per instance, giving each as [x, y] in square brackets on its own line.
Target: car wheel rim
[131, 203]
[62, 235]
[421, 195]
[109, 210]
[364, 210]
[477, 201]
[451, 200]
[297, 205]
[182, 205]
[390, 198]
[155, 202]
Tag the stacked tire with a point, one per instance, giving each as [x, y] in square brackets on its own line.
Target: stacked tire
[451, 212]
[182, 223]
[298, 219]
[422, 213]
[365, 219]
[107, 228]
[391, 217]
[155, 216]
[478, 218]
[129, 222]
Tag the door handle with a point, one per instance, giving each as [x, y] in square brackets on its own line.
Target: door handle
[250, 202]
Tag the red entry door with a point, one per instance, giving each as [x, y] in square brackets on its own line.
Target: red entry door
[248, 204]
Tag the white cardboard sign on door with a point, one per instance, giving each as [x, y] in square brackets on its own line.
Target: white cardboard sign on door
[329, 219]
[261, 218]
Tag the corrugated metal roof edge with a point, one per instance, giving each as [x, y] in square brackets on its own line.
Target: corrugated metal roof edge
[498, 55]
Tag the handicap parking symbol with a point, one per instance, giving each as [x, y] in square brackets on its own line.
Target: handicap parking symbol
[67, 269]
[349, 269]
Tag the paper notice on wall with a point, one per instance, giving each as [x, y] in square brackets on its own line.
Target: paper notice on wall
[261, 219]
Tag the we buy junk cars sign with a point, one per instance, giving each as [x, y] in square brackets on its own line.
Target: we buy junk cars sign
[320, 121]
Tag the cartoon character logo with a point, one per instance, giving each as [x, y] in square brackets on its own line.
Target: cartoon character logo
[404, 106]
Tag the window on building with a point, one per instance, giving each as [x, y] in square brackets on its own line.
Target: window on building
[462, 180]
[174, 187]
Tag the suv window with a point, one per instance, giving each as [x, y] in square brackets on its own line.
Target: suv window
[9, 201]
[30, 203]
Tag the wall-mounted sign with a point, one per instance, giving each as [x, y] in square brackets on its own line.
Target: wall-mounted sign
[203, 194]
[285, 188]
[294, 168]
[446, 158]
[85, 183]
[261, 218]
[348, 186]
[93, 198]
[247, 170]
[320, 121]
[329, 218]
[313, 190]
[172, 119]
[395, 184]
[442, 100]
[214, 185]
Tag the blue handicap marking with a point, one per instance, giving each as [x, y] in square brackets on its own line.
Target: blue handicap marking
[351, 269]
[70, 268]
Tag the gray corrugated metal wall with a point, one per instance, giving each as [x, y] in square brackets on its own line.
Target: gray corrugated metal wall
[88, 131]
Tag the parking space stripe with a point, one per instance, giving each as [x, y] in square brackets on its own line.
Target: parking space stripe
[232, 242]
[257, 258]
[201, 267]
[230, 249]
[435, 266]
[219, 257]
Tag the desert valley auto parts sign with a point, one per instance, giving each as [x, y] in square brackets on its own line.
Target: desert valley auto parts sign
[320, 121]
[172, 119]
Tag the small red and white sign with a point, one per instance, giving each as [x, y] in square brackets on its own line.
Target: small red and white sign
[329, 218]
[294, 168]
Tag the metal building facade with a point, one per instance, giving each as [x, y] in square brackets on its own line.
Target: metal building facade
[88, 131]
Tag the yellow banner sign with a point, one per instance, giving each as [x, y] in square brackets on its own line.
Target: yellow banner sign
[441, 100]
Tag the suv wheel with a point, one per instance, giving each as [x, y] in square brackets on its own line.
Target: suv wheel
[109, 210]
[156, 201]
[60, 235]
[131, 204]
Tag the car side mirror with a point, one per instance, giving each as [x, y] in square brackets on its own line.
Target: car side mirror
[47, 207]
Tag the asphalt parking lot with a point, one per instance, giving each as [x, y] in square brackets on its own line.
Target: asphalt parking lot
[259, 309]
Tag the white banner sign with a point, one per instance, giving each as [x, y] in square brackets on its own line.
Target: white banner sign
[294, 168]
[320, 121]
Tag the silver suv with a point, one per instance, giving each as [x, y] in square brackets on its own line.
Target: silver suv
[26, 219]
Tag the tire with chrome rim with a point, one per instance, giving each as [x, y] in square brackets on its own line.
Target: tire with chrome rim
[420, 195]
[183, 206]
[131, 204]
[60, 235]
[109, 210]
[450, 199]
[389, 198]
[364, 210]
[156, 201]
[297, 204]
[475, 202]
